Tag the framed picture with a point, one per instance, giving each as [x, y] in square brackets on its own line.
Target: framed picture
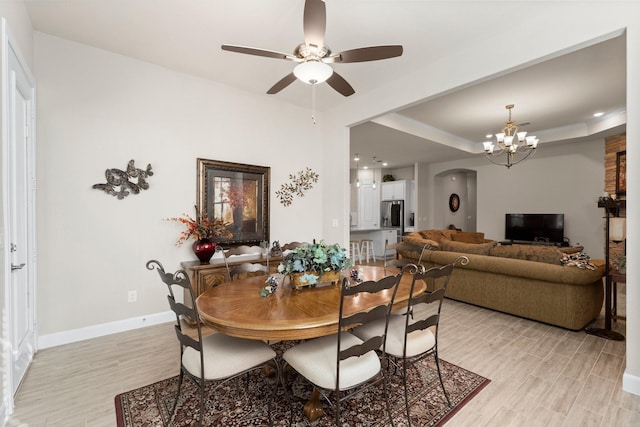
[454, 202]
[621, 173]
[239, 195]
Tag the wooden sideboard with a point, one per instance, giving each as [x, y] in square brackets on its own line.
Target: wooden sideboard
[205, 276]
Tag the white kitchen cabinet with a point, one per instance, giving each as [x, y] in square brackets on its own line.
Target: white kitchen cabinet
[368, 206]
[394, 190]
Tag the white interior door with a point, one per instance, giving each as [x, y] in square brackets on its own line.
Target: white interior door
[368, 206]
[19, 177]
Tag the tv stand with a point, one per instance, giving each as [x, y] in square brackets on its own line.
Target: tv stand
[533, 243]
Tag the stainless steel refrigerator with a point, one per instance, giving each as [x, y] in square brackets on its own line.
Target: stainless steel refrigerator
[392, 215]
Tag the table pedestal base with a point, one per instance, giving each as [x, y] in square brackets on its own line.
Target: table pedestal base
[313, 408]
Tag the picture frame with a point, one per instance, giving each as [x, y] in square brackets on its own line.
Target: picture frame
[621, 173]
[238, 194]
[454, 202]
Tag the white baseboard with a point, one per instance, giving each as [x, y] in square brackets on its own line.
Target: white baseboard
[631, 383]
[81, 334]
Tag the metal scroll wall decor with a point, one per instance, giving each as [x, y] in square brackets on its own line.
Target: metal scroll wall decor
[119, 182]
[300, 183]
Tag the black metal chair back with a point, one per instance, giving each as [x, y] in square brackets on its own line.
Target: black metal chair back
[423, 318]
[180, 281]
[388, 285]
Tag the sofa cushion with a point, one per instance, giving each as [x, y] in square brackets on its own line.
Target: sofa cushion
[469, 248]
[547, 254]
[468, 237]
[436, 235]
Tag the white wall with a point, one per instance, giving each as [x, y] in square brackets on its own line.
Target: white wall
[202, 118]
[17, 17]
[558, 179]
[555, 27]
[98, 110]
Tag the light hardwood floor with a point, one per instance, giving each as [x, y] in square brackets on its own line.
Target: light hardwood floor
[540, 375]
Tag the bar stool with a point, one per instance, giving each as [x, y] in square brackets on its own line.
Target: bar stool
[355, 250]
[367, 249]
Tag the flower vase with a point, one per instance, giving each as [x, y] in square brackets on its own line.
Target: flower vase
[300, 280]
[204, 250]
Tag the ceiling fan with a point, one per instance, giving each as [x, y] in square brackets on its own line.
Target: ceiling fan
[313, 56]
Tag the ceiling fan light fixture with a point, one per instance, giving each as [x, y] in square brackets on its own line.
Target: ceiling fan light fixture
[313, 72]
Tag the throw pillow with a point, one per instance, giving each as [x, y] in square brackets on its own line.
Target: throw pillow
[468, 237]
[578, 259]
[419, 241]
[437, 235]
[469, 248]
[570, 249]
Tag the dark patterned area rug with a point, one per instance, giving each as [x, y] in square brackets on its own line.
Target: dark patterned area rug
[244, 402]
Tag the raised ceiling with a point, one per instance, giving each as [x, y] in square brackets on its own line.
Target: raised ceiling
[558, 96]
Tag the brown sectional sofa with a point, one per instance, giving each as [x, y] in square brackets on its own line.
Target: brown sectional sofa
[524, 280]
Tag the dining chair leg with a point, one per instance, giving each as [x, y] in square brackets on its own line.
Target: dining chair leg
[175, 402]
[201, 404]
[440, 376]
[406, 393]
[286, 393]
[385, 393]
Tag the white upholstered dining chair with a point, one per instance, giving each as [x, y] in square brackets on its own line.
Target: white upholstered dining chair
[344, 365]
[412, 334]
[216, 357]
[253, 251]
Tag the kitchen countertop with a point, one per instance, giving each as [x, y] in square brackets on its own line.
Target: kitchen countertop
[368, 230]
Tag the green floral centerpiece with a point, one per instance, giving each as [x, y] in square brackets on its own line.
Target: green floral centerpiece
[316, 263]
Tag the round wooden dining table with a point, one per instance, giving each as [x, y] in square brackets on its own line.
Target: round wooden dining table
[237, 309]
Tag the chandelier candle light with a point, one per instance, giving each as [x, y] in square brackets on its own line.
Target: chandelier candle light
[514, 145]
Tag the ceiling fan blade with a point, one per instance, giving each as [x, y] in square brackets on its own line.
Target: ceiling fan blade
[372, 53]
[284, 82]
[257, 52]
[315, 22]
[337, 82]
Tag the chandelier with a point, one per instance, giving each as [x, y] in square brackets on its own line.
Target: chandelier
[512, 146]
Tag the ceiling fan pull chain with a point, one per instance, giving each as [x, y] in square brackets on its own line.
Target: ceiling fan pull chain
[313, 103]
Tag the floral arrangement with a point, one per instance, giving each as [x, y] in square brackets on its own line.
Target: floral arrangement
[315, 259]
[201, 228]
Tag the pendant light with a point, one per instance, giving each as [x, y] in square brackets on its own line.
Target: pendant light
[374, 186]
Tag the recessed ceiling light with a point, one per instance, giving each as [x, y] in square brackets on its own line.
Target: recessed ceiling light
[365, 167]
[384, 163]
[489, 135]
[598, 114]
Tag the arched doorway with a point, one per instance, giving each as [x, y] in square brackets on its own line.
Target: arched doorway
[455, 199]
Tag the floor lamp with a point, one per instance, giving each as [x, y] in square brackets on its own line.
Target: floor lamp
[612, 208]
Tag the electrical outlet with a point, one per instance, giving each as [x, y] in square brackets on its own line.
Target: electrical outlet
[132, 296]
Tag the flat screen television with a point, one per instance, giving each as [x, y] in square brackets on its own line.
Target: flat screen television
[534, 227]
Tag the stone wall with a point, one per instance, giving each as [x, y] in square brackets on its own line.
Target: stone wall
[613, 145]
